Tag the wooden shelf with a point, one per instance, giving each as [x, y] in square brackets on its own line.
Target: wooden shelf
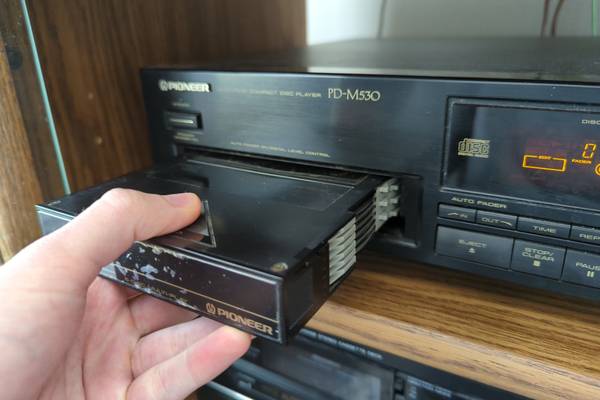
[517, 339]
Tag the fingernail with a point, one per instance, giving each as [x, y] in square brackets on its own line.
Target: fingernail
[181, 199]
[235, 332]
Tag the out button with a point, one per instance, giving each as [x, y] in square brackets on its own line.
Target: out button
[537, 259]
[496, 219]
[474, 246]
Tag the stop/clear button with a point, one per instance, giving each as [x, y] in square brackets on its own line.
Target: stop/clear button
[474, 246]
[538, 259]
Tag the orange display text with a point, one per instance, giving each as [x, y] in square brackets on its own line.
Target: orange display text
[544, 162]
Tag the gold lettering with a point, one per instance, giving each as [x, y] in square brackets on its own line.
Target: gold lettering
[250, 323]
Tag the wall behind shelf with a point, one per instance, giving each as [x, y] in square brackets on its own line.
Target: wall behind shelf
[333, 20]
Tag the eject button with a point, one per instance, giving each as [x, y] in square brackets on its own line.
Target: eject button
[474, 246]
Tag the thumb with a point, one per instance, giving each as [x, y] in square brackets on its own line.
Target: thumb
[44, 286]
[104, 231]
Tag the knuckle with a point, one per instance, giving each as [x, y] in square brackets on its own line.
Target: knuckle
[153, 385]
[120, 200]
[141, 390]
[137, 363]
[162, 381]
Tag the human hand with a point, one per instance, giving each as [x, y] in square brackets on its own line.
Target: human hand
[67, 334]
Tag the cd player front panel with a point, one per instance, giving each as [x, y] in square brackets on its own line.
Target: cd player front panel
[478, 161]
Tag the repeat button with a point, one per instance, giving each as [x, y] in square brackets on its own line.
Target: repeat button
[585, 234]
[474, 246]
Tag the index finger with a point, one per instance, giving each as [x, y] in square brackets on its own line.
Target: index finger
[107, 228]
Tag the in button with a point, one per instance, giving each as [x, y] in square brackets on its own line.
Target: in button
[459, 213]
[537, 259]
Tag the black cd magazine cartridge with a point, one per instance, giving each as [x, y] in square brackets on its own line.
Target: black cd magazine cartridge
[273, 242]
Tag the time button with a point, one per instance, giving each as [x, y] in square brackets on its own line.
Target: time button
[542, 227]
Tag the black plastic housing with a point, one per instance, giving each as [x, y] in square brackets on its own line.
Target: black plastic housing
[384, 107]
[259, 256]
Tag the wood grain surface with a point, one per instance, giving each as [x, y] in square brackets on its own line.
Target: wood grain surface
[14, 32]
[91, 52]
[525, 341]
[19, 187]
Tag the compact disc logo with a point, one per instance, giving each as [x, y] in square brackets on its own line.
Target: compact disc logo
[211, 309]
[183, 86]
[474, 148]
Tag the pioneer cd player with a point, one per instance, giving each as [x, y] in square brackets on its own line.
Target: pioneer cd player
[490, 150]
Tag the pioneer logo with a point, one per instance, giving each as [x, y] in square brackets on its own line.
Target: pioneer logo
[211, 309]
[182, 86]
[240, 319]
